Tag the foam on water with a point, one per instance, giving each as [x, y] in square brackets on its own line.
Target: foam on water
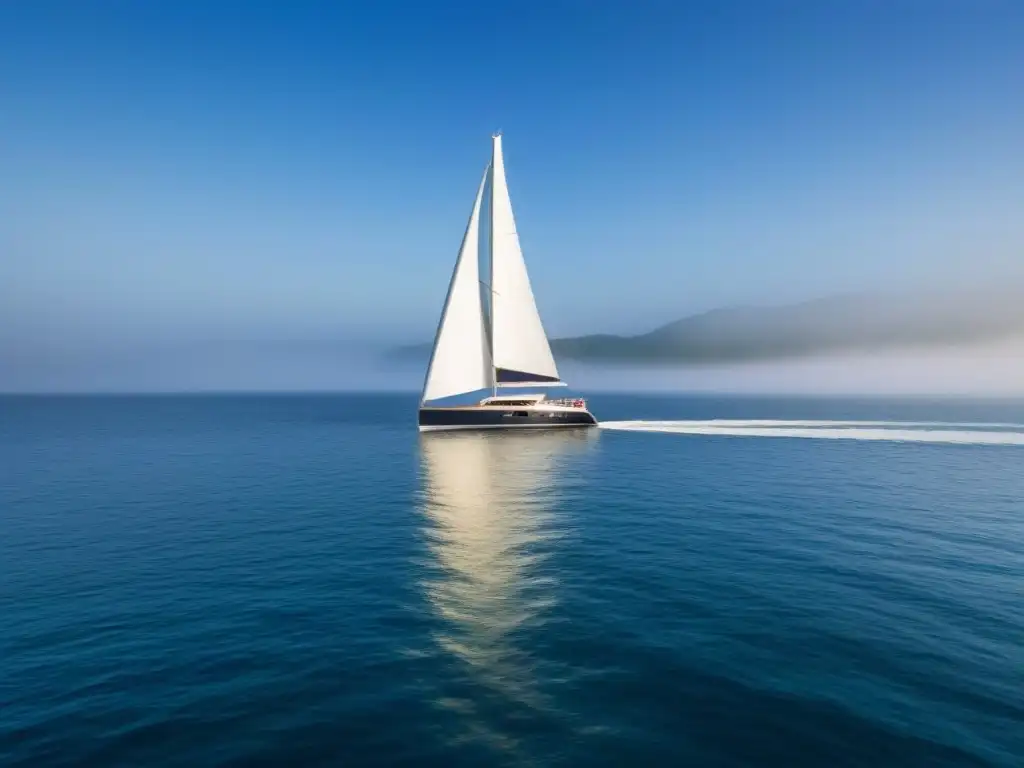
[967, 433]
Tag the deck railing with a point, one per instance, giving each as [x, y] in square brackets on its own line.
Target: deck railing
[569, 402]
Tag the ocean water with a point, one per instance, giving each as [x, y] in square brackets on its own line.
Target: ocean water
[306, 580]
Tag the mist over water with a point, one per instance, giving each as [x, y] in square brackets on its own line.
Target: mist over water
[205, 366]
[987, 370]
[995, 369]
[62, 357]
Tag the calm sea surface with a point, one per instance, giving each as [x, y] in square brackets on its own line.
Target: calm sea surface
[305, 580]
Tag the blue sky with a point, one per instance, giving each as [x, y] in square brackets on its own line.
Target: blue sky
[178, 171]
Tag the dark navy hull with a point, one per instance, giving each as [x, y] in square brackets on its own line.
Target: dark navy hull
[498, 418]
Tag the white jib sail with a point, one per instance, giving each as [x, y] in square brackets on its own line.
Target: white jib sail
[461, 360]
[519, 342]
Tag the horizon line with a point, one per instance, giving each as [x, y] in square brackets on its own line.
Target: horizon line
[416, 392]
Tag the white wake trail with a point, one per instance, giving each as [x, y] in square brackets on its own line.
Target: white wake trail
[984, 425]
[895, 431]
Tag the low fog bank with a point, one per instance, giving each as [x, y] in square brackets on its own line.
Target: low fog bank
[844, 324]
[952, 343]
[203, 367]
[848, 324]
[993, 369]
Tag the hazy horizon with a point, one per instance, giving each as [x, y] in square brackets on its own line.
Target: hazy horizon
[988, 370]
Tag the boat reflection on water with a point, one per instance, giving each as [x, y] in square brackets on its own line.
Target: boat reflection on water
[489, 523]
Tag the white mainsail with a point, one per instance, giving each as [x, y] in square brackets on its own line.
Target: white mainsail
[520, 347]
[506, 347]
[461, 359]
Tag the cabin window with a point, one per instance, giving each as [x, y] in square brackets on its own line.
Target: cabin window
[510, 402]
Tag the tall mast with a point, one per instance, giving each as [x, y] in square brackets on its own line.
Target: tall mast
[490, 273]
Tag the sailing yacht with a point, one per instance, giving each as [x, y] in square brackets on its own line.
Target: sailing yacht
[490, 336]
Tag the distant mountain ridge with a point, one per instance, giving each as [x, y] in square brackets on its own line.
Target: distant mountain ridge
[847, 323]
